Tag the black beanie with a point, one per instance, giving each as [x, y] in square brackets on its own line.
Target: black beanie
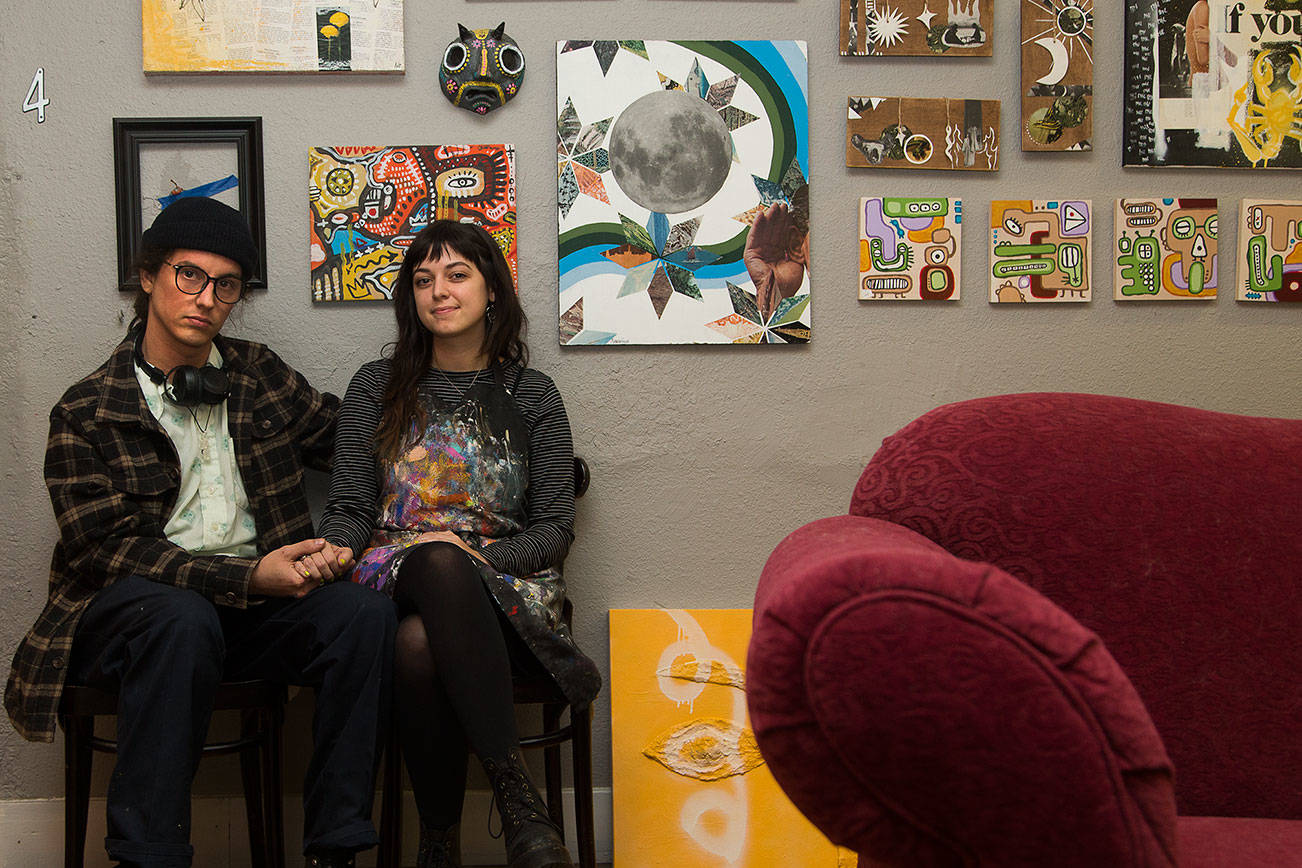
[200, 223]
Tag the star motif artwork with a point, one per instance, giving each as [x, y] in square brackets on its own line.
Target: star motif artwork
[606, 49]
[745, 325]
[718, 96]
[581, 159]
[925, 17]
[661, 260]
[887, 27]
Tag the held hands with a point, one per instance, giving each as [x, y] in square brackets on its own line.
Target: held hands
[293, 570]
[448, 536]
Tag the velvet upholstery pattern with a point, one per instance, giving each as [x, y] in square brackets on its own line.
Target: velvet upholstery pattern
[1048, 621]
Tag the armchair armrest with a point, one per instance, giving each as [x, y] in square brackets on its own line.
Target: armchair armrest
[925, 710]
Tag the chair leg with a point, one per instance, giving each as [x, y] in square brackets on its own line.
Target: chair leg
[552, 766]
[274, 786]
[252, 764]
[78, 731]
[390, 855]
[581, 751]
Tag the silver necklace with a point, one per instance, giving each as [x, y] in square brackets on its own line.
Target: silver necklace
[462, 395]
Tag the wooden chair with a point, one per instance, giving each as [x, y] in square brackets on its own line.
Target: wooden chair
[578, 732]
[262, 708]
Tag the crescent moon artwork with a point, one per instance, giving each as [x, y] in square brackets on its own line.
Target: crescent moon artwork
[1058, 52]
[683, 192]
[1057, 75]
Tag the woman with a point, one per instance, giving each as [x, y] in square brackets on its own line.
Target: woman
[454, 471]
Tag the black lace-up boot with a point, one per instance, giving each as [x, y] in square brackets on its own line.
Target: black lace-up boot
[439, 848]
[532, 839]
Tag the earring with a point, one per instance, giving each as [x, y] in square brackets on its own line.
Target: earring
[488, 312]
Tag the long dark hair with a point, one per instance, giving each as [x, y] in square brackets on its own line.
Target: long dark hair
[413, 351]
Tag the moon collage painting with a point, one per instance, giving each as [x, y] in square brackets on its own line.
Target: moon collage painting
[683, 192]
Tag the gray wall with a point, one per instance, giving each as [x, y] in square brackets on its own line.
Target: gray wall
[703, 458]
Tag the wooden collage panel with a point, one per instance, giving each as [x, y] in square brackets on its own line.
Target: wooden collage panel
[927, 28]
[1057, 75]
[922, 133]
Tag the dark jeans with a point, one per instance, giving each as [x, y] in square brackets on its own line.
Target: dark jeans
[165, 650]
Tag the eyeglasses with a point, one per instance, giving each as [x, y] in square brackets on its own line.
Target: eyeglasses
[193, 280]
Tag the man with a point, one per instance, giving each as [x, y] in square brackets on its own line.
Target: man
[186, 555]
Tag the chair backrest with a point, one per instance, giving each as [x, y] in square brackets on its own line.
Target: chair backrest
[1166, 530]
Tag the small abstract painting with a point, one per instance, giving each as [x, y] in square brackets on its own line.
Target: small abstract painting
[285, 36]
[689, 784]
[366, 203]
[922, 133]
[1040, 250]
[910, 248]
[1270, 250]
[949, 28]
[682, 178]
[1213, 83]
[1166, 249]
[1057, 75]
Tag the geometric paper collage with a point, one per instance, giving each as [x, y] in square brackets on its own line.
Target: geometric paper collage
[366, 203]
[949, 28]
[689, 786]
[1270, 250]
[1057, 75]
[683, 192]
[1040, 251]
[909, 248]
[1213, 83]
[1165, 249]
[284, 36]
[922, 133]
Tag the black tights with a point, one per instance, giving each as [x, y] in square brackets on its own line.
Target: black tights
[452, 677]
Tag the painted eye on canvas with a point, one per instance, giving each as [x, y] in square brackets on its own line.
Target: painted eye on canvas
[1183, 227]
[511, 60]
[455, 57]
[1211, 226]
[937, 255]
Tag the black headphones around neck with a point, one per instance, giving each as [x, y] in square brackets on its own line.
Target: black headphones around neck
[186, 385]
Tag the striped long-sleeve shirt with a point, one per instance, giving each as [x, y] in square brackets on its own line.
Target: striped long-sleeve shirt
[353, 505]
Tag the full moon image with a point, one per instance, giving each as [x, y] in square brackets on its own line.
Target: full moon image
[670, 152]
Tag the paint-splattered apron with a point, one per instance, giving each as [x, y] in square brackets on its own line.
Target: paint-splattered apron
[467, 473]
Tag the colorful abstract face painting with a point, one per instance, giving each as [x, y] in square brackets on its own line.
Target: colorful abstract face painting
[1040, 250]
[909, 248]
[922, 133]
[682, 191]
[1213, 83]
[946, 28]
[1270, 250]
[366, 204]
[690, 786]
[482, 69]
[1166, 249]
[1057, 75]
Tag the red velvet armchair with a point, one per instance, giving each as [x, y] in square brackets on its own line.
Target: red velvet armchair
[1054, 630]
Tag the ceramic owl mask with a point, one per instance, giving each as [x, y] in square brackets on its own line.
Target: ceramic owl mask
[482, 70]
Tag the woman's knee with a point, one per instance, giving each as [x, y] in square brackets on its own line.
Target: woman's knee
[411, 651]
[442, 564]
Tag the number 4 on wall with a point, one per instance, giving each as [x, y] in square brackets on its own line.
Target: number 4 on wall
[36, 101]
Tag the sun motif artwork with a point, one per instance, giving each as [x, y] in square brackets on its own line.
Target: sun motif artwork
[922, 133]
[1165, 249]
[367, 202]
[689, 784]
[1213, 83]
[682, 192]
[910, 248]
[933, 28]
[1040, 250]
[1270, 250]
[1057, 75]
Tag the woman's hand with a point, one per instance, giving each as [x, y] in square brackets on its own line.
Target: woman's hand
[448, 536]
[327, 565]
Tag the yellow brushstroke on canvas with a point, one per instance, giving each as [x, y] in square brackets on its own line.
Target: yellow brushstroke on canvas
[164, 51]
[707, 749]
[690, 669]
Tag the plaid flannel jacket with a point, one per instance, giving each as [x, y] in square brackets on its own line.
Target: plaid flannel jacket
[113, 477]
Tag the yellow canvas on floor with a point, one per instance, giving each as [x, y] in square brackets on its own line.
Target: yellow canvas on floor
[689, 785]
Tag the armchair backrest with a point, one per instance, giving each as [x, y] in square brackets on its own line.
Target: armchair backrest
[1169, 531]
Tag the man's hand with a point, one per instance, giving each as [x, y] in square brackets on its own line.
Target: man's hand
[282, 573]
[332, 562]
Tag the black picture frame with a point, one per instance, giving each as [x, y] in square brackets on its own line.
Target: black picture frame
[244, 135]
